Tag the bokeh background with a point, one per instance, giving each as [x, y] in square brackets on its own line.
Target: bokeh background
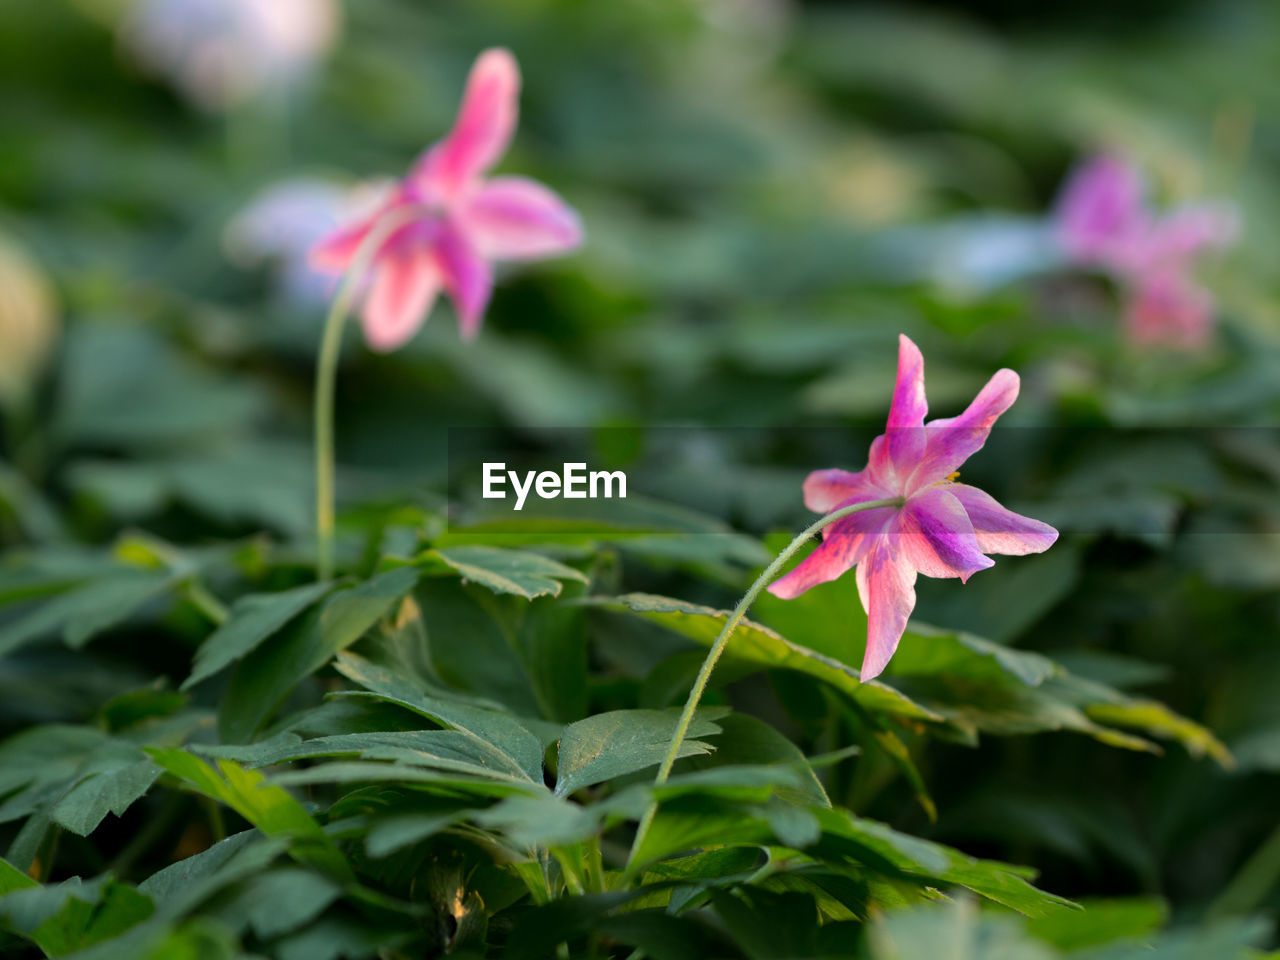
[772, 191]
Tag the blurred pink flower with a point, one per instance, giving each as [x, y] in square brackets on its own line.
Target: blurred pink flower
[286, 219]
[1103, 222]
[941, 529]
[463, 223]
[220, 53]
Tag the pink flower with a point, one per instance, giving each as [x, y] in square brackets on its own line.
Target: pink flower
[460, 222]
[222, 53]
[1103, 222]
[941, 528]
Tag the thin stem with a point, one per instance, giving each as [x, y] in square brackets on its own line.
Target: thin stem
[717, 648]
[203, 600]
[327, 374]
[1252, 884]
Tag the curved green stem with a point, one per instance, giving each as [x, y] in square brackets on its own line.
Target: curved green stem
[722, 641]
[327, 375]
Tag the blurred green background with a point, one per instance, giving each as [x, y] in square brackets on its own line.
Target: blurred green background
[771, 191]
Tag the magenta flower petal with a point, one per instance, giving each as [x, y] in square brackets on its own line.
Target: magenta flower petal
[1176, 239]
[1169, 309]
[842, 546]
[886, 585]
[400, 296]
[511, 218]
[1100, 216]
[936, 536]
[999, 530]
[904, 433]
[467, 275]
[952, 440]
[824, 490]
[936, 527]
[459, 223]
[480, 136]
[335, 252]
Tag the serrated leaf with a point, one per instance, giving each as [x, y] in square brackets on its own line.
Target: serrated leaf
[760, 647]
[488, 727]
[621, 742]
[86, 610]
[74, 915]
[265, 805]
[925, 860]
[253, 619]
[111, 791]
[267, 675]
[518, 572]
[450, 750]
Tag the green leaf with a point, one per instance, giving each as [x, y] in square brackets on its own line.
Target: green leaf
[77, 775]
[761, 648]
[338, 937]
[504, 733]
[1116, 709]
[518, 572]
[253, 618]
[11, 878]
[933, 862]
[955, 929]
[268, 674]
[472, 638]
[241, 854]
[110, 791]
[280, 901]
[552, 641]
[450, 750]
[71, 916]
[1101, 921]
[84, 611]
[745, 740]
[770, 925]
[265, 805]
[621, 742]
[539, 820]
[394, 833]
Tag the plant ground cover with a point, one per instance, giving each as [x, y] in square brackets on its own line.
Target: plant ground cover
[452, 742]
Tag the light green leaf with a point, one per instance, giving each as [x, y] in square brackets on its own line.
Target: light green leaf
[265, 805]
[11, 878]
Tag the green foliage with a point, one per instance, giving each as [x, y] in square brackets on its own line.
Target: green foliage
[447, 749]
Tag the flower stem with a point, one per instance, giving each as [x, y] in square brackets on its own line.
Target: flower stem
[718, 647]
[327, 375]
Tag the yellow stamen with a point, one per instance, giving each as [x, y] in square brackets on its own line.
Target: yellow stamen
[952, 478]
